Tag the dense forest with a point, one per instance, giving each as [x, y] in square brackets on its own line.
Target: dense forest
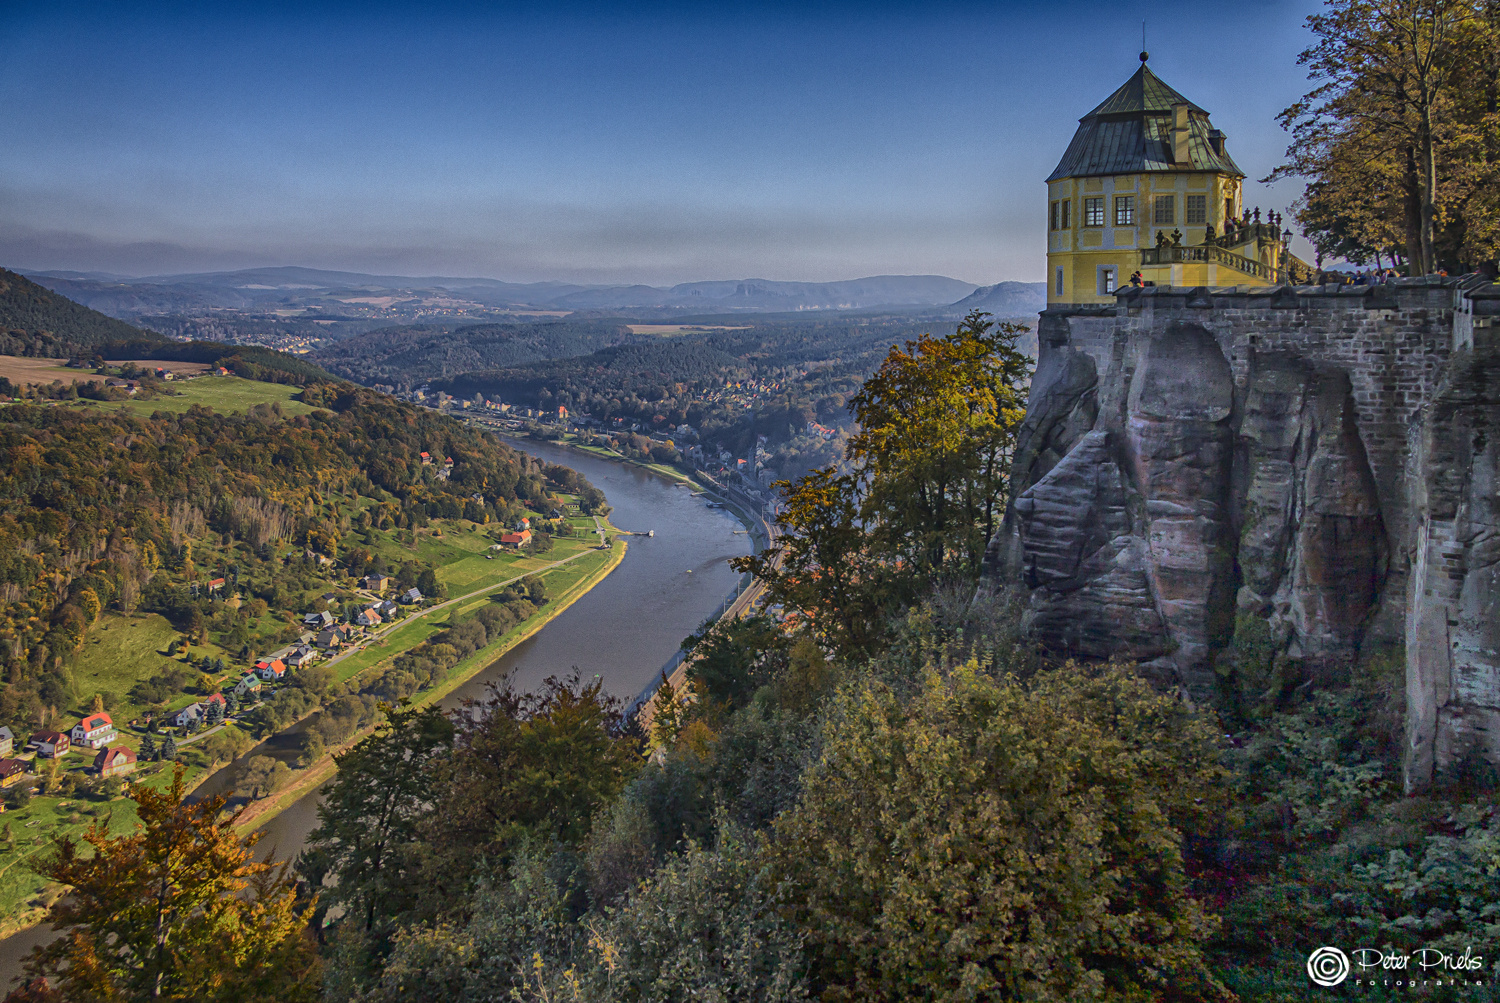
[36, 321]
[106, 511]
[410, 356]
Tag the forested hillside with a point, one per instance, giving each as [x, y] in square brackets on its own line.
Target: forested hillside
[410, 356]
[36, 321]
[105, 511]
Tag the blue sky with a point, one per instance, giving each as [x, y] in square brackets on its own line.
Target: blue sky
[588, 142]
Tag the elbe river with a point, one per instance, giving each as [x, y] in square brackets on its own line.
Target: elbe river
[624, 629]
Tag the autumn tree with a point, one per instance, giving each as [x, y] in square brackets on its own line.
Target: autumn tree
[1398, 137]
[176, 910]
[982, 838]
[924, 495]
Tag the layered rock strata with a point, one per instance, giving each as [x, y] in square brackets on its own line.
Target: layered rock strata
[1320, 460]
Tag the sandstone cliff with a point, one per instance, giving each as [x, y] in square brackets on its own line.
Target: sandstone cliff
[1317, 467]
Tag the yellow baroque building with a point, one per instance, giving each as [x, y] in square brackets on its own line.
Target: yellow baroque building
[1147, 187]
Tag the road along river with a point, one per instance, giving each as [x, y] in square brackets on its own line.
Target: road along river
[624, 628]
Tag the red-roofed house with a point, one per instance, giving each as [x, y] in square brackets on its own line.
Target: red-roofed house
[93, 731]
[426, 459]
[271, 671]
[369, 618]
[50, 744]
[517, 540]
[112, 761]
[216, 584]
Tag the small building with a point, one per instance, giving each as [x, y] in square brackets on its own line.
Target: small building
[412, 596]
[111, 762]
[215, 584]
[249, 685]
[94, 731]
[516, 540]
[377, 583]
[330, 638]
[271, 670]
[426, 459]
[303, 655]
[317, 620]
[7, 741]
[12, 772]
[50, 744]
[188, 716]
[387, 609]
[369, 618]
[217, 698]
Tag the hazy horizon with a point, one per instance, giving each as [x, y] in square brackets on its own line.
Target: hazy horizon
[574, 144]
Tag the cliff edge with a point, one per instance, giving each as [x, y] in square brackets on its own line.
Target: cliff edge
[1314, 469]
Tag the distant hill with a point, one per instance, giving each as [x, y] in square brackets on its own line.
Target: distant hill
[767, 295]
[1006, 299]
[36, 321]
[259, 289]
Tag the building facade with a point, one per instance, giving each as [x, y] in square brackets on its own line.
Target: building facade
[1147, 186]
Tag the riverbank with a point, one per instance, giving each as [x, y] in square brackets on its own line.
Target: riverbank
[258, 813]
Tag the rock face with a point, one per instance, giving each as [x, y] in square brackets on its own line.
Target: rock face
[1323, 461]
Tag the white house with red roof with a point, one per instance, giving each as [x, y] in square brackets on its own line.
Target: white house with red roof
[271, 670]
[93, 731]
[369, 618]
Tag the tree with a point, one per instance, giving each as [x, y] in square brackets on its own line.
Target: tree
[987, 839]
[1401, 126]
[177, 909]
[97, 707]
[214, 714]
[937, 427]
[260, 776]
[536, 765]
[428, 584]
[731, 659]
[370, 814]
[169, 747]
[147, 751]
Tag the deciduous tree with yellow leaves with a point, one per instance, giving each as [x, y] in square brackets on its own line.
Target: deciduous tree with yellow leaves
[176, 910]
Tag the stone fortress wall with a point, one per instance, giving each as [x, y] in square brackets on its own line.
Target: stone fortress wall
[1323, 459]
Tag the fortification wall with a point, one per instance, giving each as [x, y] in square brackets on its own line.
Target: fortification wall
[1193, 460]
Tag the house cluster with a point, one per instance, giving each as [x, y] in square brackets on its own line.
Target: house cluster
[93, 731]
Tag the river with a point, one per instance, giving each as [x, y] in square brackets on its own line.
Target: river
[624, 629]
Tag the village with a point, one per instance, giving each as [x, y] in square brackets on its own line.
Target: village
[95, 741]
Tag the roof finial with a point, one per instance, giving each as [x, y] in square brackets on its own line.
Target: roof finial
[1144, 54]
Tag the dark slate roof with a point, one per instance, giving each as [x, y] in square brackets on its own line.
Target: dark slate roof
[1132, 131]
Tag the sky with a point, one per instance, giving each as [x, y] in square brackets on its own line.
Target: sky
[590, 142]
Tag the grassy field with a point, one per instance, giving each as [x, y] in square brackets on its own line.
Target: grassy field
[225, 394]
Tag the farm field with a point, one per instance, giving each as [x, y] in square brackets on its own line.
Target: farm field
[31, 371]
[225, 394]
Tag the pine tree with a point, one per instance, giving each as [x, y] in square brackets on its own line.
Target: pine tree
[169, 748]
[148, 748]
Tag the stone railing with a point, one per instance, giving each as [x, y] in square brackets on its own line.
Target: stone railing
[1172, 254]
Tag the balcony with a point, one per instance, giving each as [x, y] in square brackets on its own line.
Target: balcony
[1171, 254]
